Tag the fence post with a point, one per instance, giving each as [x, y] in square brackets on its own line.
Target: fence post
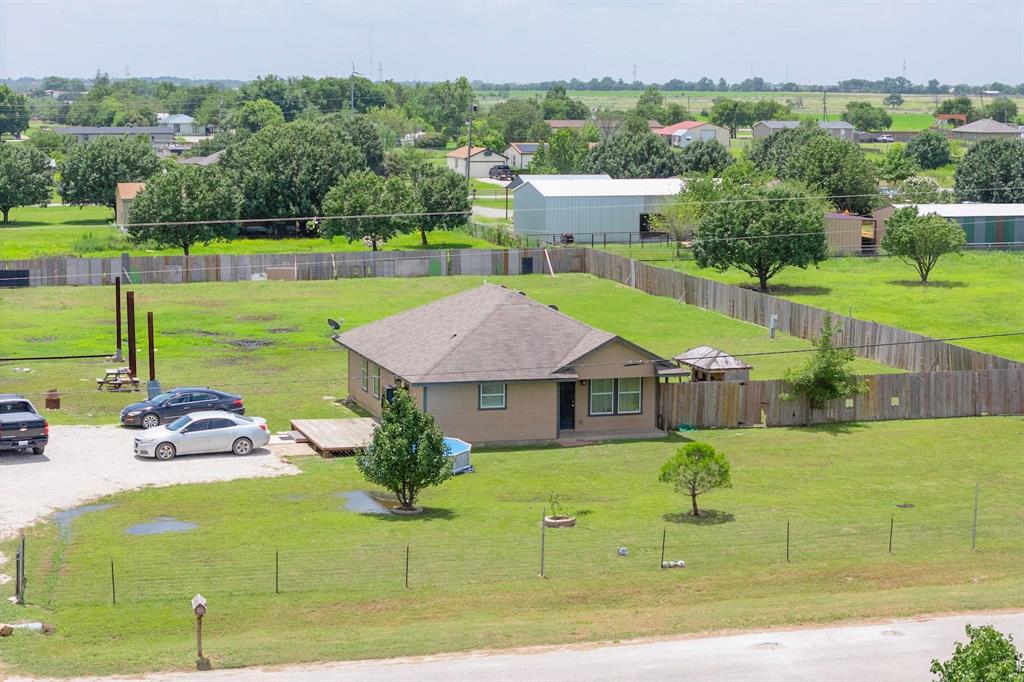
[787, 540]
[663, 532]
[892, 518]
[407, 567]
[113, 587]
[974, 524]
[277, 571]
[19, 572]
[542, 527]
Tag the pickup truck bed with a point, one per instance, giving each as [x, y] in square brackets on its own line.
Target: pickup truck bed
[21, 427]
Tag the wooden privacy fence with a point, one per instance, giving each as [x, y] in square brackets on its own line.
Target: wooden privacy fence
[889, 345]
[931, 395]
[294, 266]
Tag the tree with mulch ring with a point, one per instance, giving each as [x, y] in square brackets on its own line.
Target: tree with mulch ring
[558, 518]
[407, 453]
[695, 469]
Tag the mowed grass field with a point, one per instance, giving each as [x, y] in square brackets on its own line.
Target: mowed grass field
[88, 232]
[967, 295]
[270, 341]
[475, 554]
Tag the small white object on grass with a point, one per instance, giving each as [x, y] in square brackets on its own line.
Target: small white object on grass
[623, 551]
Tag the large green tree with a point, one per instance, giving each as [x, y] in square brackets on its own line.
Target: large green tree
[257, 114]
[187, 195]
[770, 154]
[381, 208]
[893, 100]
[730, 113]
[14, 111]
[921, 240]
[704, 156]
[24, 177]
[958, 105]
[633, 154]
[897, 165]
[441, 198]
[90, 172]
[988, 656]
[514, 119]
[565, 153]
[445, 105]
[761, 231]
[407, 453]
[1002, 109]
[286, 170]
[828, 374]
[992, 171]
[839, 170]
[695, 469]
[930, 149]
[557, 105]
[864, 116]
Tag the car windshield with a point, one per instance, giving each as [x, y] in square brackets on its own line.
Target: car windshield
[180, 422]
[162, 398]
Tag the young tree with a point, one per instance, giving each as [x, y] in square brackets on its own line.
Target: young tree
[921, 240]
[387, 203]
[90, 172]
[730, 113]
[896, 165]
[440, 194]
[695, 469]
[827, 374]
[863, 116]
[893, 100]
[704, 156]
[992, 171]
[989, 656]
[632, 154]
[24, 177]
[257, 114]
[407, 453]
[761, 231]
[1002, 109]
[930, 149]
[839, 170]
[14, 112]
[185, 194]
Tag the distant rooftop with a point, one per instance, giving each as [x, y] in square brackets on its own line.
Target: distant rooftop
[115, 130]
[596, 186]
[710, 359]
[985, 125]
[969, 210]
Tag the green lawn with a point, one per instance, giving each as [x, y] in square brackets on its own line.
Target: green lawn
[71, 231]
[269, 340]
[975, 293]
[474, 557]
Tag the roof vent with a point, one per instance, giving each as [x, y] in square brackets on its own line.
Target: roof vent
[552, 306]
[521, 293]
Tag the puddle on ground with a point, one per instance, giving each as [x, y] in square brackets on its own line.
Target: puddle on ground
[64, 518]
[162, 524]
[363, 503]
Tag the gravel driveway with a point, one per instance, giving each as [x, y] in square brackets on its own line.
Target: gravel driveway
[85, 462]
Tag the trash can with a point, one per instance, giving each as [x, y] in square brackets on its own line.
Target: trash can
[53, 399]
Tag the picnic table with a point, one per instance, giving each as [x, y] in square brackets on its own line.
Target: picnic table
[117, 379]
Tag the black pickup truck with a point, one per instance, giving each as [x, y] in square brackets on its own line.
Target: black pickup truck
[21, 427]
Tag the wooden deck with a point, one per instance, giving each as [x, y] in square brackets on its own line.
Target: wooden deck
[332, 437]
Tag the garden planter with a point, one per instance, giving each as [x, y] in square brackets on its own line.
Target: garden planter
[559, 521]
[398, 511]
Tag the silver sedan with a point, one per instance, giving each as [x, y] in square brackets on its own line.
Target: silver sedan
[202, 433]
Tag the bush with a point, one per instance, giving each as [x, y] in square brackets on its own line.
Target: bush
[930, 149]
[431, 141]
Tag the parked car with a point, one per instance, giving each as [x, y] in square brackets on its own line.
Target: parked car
[21, 426]
[176, 402]
[202, 433]
[886, 138]
[500, 172]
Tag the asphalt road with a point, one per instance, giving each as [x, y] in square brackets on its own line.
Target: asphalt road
[897, 650]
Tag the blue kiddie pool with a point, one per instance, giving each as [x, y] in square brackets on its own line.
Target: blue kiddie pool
[458, 450]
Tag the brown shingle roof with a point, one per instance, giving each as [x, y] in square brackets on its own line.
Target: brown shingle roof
[489, 333]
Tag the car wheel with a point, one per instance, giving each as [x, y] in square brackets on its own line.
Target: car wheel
[37, 451]
[241, 446]
[150, 420]
[165, 451]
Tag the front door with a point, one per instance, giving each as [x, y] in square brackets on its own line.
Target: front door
[566, 405]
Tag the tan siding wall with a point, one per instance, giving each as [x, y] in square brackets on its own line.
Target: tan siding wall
[365, 398]
[609, 362]
[843, 235]
[530, 414]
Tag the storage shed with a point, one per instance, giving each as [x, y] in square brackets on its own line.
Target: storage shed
[998, 226]
[851, 235]
[711, 364]
[612, 210]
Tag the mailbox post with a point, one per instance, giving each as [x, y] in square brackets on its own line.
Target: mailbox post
[199, 607]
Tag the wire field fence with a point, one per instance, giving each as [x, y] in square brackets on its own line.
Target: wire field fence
[717, 548]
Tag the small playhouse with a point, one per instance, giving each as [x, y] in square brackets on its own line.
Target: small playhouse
[458, 450]
[710, 364]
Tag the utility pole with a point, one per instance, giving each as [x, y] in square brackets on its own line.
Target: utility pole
[352, 87]
[824, 106]
[469, 138]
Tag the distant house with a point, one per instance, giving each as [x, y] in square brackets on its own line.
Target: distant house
[481, 159]
[203, 160]
[159, 136]
[493, 366]
[992, 225]
[985, 129]
[840, 129]
[595, 207]
[520, 154]
[685, 132]
[124, 196]
[183, 124]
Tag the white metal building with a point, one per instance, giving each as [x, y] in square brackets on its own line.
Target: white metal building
[615, 209]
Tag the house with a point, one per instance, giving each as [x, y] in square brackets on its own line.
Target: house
[520, 154]
[494, 366]
[710, 364]
[989, 225]
[683, 133]
[852, 235]
[840, 129]
[124, 195]
[481, 159]
[203, 160]
[985, 129]
[159, 136]
[183, 124]
[593, 207]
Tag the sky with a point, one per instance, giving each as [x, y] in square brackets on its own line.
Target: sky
[821, 41]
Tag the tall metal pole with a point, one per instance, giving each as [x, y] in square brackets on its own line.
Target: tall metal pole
[469, 142]
[542, 527]
[664, 531]
[199, 637]
[787, 540]
[130, 310]
[892, 520]
[117, 315]
[152, 354]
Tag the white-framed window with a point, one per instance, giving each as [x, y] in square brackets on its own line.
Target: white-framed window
[492, 395]
[628, 396]
[602, 396]
[375, 380]
[364, 374]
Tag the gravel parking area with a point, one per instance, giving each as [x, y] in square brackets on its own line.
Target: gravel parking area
[85, 462]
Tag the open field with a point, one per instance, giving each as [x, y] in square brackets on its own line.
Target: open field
[976, 293]
[87, 231]
[474, 557]
[269, 340]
